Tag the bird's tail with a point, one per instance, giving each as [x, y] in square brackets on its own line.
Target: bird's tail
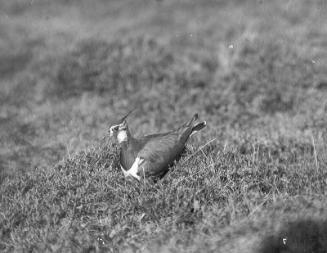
[198, 126]
[191, 122]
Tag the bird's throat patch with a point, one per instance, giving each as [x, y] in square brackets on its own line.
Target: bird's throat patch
[122, 136]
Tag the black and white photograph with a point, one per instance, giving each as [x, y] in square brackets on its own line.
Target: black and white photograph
[163, 126]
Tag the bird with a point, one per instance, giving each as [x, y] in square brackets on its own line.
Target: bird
[151, 156]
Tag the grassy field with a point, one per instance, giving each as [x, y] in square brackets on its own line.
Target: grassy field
[254, 180]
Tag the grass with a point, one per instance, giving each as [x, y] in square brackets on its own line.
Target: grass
[255, 71]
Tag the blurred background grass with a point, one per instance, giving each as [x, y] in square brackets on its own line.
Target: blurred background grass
[255, 70]
[68, 67]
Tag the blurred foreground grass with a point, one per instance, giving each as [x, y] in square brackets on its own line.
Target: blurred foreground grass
[255, 70]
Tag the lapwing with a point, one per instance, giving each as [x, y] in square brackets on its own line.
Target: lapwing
[151, 156]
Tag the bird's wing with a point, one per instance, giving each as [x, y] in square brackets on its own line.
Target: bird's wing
[165, 146]
[159, 148]
[160, 152]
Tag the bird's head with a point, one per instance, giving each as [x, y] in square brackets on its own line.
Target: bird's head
[120, 130]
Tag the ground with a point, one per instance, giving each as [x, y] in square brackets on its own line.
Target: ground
[253, 181]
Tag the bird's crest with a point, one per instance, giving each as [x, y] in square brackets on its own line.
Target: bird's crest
[120, 126]
[125, 117]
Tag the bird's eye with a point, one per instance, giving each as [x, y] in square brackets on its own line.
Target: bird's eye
[114, 128]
